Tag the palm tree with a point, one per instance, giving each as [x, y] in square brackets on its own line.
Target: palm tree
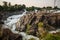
[5, 6]
[5, 3]
[9, 4]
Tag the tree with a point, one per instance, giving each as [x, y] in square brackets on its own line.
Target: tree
[1, 8]
[19, 7]
[44, 7]
[15, 7]
[38, 8]
[5, 6]
[12, 8]
[5, 3]
[23, 6]
[55, 8]
[9, 4]
[48, 8]
[30, 8]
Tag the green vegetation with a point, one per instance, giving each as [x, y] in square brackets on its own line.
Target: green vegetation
[28, 27]
[9, 7]
[31, 39]
[44, 35]
[52, 37]
[41, 30]
[32, 8]
[40, 24]
[55, 7]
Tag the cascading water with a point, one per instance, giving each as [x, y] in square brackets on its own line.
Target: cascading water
[10, 23]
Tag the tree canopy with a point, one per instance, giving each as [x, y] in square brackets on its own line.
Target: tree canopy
[8, 7]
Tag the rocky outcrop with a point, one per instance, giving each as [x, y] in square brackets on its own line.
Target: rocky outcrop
[32, 19]
[29, 21]
[9, 35]
[18, 23]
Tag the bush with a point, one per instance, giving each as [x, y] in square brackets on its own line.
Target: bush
[32, 39]
[52, 37]
[28, 27]
[40, 24]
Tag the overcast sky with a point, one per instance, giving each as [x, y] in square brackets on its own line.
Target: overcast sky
[37, 3]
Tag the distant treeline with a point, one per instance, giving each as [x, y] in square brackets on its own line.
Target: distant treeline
[8, 7]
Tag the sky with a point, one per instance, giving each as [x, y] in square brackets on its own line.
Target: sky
[37, 3]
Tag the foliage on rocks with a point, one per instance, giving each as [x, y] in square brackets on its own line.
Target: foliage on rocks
[31, 39]
[52, 37]
[28, 27]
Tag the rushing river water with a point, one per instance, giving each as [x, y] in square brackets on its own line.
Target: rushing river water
[10, 23]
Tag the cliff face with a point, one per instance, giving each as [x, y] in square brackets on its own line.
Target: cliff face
[32, 23]
[30, 18]
[9, 35]
[49, 19]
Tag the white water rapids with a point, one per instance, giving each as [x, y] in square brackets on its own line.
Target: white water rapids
[10, 24]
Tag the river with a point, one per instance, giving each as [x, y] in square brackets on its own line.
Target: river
[10, 24]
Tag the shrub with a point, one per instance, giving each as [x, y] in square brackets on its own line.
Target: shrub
[32, 39]
[52, 37]
[28, 27]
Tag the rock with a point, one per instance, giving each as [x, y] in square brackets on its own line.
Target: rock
[8, 35]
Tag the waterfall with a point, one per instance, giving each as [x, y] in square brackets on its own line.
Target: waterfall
[36, 10]
[10, 23]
